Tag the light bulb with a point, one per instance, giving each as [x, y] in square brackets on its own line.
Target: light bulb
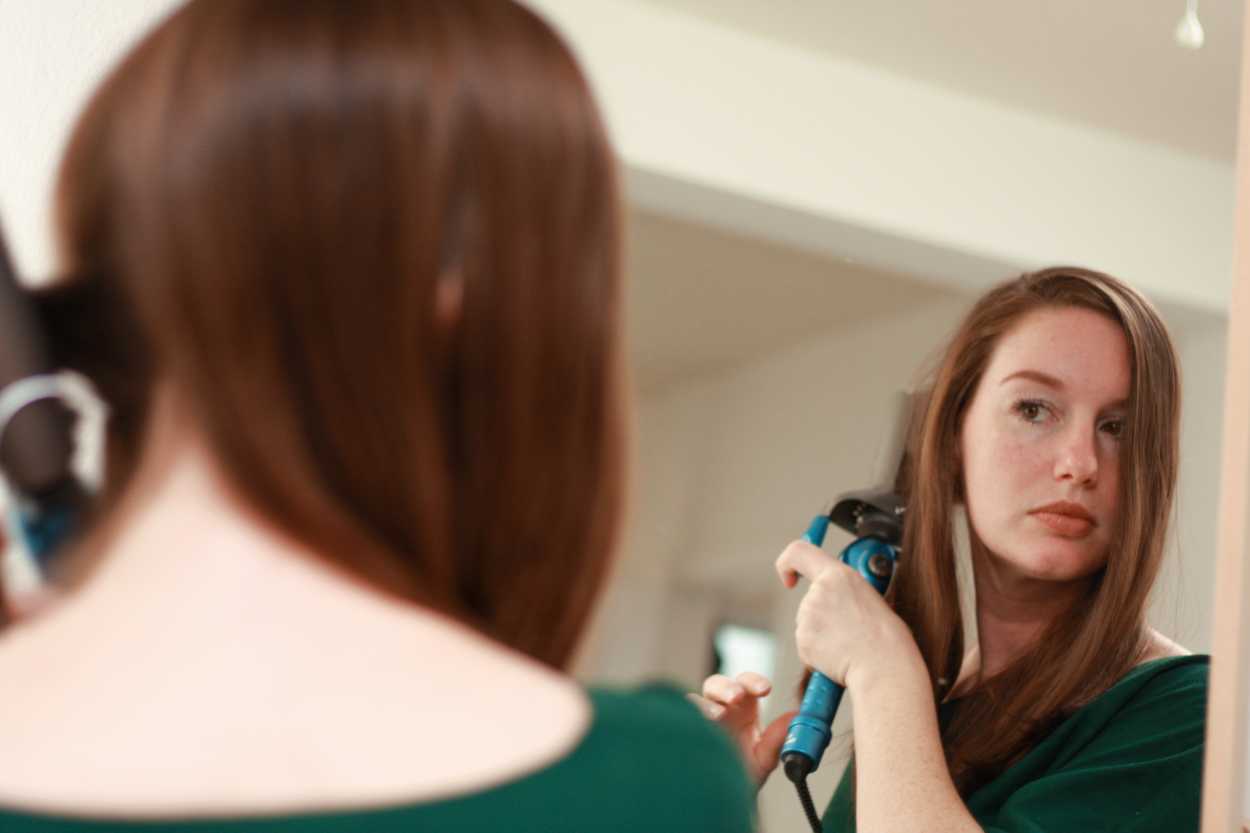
[1189, 32]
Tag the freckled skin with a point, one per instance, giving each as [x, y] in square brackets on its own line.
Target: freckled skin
[1027, 442]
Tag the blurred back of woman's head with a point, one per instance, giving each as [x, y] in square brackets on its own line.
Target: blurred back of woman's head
[373, 248]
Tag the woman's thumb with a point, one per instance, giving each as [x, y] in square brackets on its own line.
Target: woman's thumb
[771, 741]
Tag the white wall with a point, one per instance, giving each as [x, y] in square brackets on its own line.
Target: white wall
[626, 642]
[1182, 602]
[52, 53]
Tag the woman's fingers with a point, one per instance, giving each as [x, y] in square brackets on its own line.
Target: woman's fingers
[720, 688]
[768, 749]
[756, 684]
[712, 711]
[802, 559]
[734, 704]
[759, 750]
[732, 692]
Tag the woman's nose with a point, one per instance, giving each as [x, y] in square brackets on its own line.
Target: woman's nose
[1077, 458]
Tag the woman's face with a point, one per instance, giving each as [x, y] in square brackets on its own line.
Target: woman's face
[1040, 444]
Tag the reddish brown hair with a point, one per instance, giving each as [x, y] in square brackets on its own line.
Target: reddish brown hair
[1084, 653]
[261, 205]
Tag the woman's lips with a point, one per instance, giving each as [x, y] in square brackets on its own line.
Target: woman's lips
[1069, 526]
[1066, 518]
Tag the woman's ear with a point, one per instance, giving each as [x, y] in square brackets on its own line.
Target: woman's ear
[449, 301]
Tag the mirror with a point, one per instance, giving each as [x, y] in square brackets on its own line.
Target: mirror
[818, 191]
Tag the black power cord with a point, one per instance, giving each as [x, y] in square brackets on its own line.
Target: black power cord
[797, 768]
[805, 798]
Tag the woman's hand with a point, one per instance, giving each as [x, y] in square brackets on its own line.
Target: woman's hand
[734, 704]
[844, 629]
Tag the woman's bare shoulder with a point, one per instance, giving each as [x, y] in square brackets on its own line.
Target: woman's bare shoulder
[1159, 646]
[275, 724]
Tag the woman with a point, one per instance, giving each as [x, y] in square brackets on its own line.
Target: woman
[346, 275]
[1053, 419]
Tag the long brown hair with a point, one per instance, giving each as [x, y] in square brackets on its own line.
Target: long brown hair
[264, 204]
[1084, 653]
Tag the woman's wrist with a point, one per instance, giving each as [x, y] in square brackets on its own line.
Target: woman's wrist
[891, 668]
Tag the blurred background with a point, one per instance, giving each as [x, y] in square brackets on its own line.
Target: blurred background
[816, 192]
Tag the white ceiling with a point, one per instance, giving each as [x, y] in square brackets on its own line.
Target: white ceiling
[702, 299]
[1109, 63]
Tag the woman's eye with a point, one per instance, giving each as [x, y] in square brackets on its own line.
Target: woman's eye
[1030, 410]
[1113, 427]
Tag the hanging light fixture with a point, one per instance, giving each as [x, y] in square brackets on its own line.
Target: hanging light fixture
[1189, 32]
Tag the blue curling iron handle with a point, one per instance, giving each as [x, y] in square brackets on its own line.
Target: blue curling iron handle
[810, 732]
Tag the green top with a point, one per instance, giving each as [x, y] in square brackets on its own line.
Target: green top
[1129, 761]
[650, 761]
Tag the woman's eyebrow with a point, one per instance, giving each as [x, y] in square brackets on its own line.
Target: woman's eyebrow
[1035, 376]
[1057, 384]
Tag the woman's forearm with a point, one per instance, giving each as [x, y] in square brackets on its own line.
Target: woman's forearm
[901, 779]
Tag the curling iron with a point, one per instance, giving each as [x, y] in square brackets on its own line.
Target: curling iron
[38, 410]
[875, 517]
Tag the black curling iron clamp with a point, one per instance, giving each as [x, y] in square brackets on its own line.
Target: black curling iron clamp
[39, 407]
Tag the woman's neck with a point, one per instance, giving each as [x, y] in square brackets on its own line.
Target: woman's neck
[1013, 610]
[204, 635]
[182, 554]
[181, 534]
